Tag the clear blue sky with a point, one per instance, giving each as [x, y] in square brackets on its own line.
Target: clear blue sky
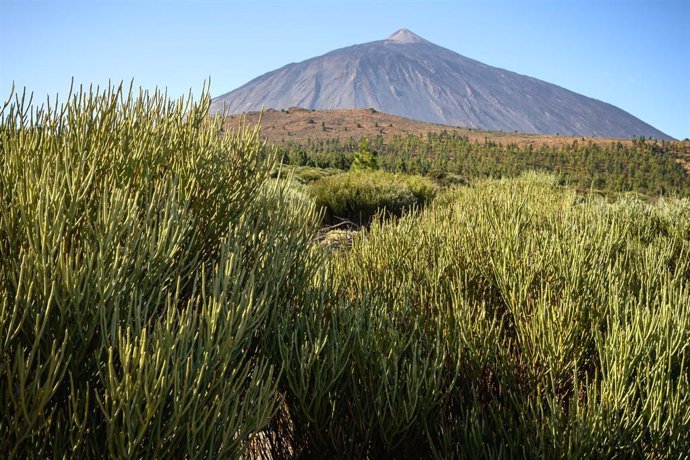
[632, 53]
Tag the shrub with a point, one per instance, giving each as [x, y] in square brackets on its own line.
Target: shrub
[142, 257]
[511, 319]
[358, 196]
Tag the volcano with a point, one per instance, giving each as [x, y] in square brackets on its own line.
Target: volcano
[409, 76]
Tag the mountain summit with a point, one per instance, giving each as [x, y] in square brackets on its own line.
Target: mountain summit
[406, 36]
[409, 76]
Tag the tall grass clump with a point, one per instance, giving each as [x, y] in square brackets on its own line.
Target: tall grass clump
[359, 195]
[513, 318]
[142, 258]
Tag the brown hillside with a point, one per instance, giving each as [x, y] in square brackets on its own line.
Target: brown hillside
[297, 125]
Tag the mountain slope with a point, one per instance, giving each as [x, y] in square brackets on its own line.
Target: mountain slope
[409, 76]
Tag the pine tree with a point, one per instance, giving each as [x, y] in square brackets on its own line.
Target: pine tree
[365, 158]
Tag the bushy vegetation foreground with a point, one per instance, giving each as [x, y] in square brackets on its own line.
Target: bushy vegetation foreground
[141, 260]
[161, 297]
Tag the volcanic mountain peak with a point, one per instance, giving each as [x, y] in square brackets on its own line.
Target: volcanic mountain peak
[409, 76]
[406, 36]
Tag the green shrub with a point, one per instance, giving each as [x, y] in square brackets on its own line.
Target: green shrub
[142, 258]
[511, 319]
[365, 159]
[358, 196]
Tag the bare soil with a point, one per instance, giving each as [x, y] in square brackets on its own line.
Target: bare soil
[297, 125]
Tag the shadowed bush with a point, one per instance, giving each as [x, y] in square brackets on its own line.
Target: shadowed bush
[358, 196]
